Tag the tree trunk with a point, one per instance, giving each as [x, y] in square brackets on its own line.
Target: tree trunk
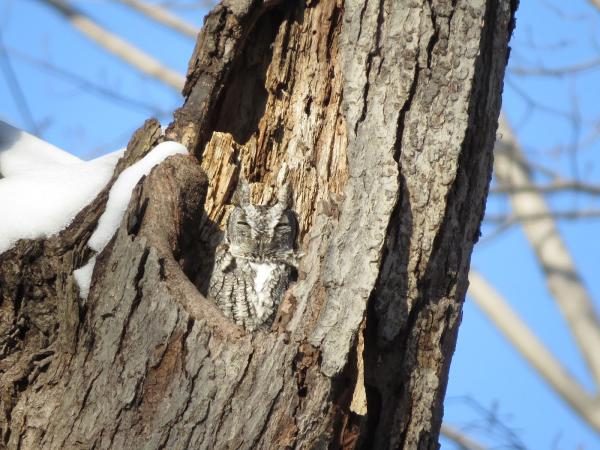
[382, 116]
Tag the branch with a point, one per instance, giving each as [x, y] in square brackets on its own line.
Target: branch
[459, 438]
[15, 88]
[119, 47]
[595, 3]
[556, 187]
[557, 215]
[552, 254]
[532, 103]
[200, 4]
[162, 16]
[556, 71]
[87, 85]
[532, 349]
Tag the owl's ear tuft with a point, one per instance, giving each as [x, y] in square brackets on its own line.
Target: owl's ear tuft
[284, 196]
[242, 193]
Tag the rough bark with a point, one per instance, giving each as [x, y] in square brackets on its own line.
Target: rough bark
[382, 116]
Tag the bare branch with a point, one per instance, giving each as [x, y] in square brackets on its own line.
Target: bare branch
[562, 14]
[82, 83]
[532, 349]
[532, 103]
[556, 187]
[162, 16]
[556, 71]
[119, 47]
[504, 219]
[200, 4]
[16, 90]
[595, 3]
[461, 439]
[543, 170]
[553, 256]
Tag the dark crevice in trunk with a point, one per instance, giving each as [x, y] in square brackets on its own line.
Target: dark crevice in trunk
[243, 100]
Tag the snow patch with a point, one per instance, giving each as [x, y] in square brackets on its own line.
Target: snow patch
[43, 188]
[120, 193]
[83, 277]
[38, 201]
[22, 152]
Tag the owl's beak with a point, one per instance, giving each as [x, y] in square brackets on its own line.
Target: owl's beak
[261, 248]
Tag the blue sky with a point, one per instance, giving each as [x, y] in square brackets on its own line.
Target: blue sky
[485, 369]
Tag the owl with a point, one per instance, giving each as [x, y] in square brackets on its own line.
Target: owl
[256, 260]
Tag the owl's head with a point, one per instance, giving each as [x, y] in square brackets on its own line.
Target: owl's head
[262, 233]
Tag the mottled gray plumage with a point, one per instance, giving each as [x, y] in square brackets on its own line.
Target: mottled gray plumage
[255, 261]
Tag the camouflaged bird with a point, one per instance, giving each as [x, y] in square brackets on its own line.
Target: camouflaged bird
[256, 260]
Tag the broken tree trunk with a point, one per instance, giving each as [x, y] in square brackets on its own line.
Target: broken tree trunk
[382, 116]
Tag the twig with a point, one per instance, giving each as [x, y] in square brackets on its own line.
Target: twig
[562, 14]
[532, 102]
[200, 4]
[83, 83]
[532, 349]
[501, 227]
[595, 3]
[545, 171]
[553, 256]
[555, 71]
[557, 215]
[556, 187]
[162, 16]
[119, 47]
[16, 90]
[493, 424]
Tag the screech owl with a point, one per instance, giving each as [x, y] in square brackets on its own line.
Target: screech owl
[256, 260]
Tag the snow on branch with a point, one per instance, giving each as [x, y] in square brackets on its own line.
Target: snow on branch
[116, 206]
[120, 192]
[43, 188]
[21, 152]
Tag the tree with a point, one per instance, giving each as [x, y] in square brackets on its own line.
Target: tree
[383, 117]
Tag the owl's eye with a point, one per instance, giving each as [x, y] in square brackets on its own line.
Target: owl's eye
[244, 224]
[282, 226]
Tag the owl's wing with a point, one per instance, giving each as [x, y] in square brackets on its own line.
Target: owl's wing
[224, 261]
[220, 287]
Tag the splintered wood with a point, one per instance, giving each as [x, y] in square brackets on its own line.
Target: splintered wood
[219, 164]
[301, 138]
